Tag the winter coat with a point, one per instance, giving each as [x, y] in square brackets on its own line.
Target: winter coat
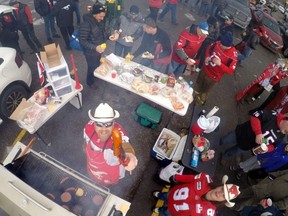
[23, 16]
[42, 7]
[264, 122]
[280, 101]
[228, 61]
[91, 34]
[187, 45]
[63, 11]
[129, 27]
[274, 160]
[276, 189]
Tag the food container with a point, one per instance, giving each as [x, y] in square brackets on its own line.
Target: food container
[201, 143]
[137, 71]
[166, 151]
[147, 77]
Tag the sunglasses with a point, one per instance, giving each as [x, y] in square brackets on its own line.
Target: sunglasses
[102, 124]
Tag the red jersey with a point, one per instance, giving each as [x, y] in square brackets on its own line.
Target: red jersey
[228, 59]
[186, 199]
[190, 43]
[155, 3]
[97, 167]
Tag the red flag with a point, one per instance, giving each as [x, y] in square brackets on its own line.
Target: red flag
[41, 71]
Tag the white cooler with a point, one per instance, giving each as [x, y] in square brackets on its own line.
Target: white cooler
[168, 147]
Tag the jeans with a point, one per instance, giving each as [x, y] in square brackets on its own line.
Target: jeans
[247, 51]
[77, 11]
[154, 13]
[176, 68]
[49, 22]
[93, 61]
[250, 164]
[229, 139]
[166, 9]
[121, 49]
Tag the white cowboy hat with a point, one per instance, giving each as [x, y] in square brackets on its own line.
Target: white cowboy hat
[104, 113]
[231, 191]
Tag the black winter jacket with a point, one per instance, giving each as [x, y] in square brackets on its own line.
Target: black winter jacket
[42, 7]
[63, 11]
[91, 34]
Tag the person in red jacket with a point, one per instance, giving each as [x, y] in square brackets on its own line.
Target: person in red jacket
[25, 24]
[269, 78]
[154, 6]
[194, 196]
[186, 47]
[220, 58]
[103, 164]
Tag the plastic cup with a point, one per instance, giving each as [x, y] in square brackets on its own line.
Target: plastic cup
[113, 74]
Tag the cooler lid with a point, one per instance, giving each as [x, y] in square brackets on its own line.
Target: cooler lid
[179, 149]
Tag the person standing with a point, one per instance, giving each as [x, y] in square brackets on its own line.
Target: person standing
[130, 27]
[269, 78]
[263, 125]
[101, 137]
[227, 26]
[157, 43]
[186, 47]
[25, 24]
[77, 11]
[277, 101]
[171, 5]
[63, 11]
[43, 8]
[194, 195]
[113, 11]
[92, 38]
[155, 6]
[249, 42]
[220, 58]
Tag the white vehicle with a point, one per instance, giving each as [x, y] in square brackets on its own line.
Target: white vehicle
[15, 80]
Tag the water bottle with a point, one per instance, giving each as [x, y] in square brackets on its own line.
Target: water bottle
[195, 158]
[190, 84]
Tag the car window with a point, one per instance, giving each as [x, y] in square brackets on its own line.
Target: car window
[243, 2]
[271, 25]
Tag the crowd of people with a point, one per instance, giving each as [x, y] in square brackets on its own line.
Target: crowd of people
[206, 47]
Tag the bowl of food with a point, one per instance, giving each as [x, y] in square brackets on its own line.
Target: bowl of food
[147, 77]
[137, 71]
[201, 143]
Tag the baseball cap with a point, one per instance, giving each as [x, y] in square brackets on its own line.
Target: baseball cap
[134, 10]
[231, 191]
[204, 27]
[104, 113]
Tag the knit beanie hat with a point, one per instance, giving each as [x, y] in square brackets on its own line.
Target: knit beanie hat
[97, 8]
[134, 9]
[227, 39]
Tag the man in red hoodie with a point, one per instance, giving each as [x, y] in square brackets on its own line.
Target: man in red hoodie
[264, 126]
[220, 58]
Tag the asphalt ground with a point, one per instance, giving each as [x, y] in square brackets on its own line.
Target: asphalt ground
[64, 132]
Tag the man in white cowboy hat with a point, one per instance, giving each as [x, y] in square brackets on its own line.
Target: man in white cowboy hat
[103, 165]
[193, 195]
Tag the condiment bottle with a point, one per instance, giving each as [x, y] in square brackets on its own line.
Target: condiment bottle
[128, 58]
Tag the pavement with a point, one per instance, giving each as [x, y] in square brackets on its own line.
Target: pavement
[64, 132]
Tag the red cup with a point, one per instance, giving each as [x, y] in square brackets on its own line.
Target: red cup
[196, 129]
[113, 74]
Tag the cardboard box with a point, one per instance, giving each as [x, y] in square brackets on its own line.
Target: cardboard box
[52, 55]
[28, 114]
[162, 153]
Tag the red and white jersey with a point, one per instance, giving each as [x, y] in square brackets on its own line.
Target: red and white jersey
[186, 199]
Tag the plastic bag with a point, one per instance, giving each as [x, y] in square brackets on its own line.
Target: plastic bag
[74, 41]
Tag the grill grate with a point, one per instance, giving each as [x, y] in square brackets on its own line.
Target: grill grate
[46, 179]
